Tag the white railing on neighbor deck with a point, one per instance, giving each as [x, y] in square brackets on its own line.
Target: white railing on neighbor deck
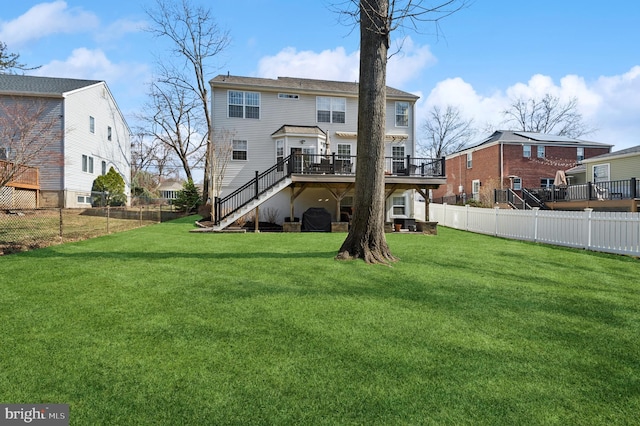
[610, 232]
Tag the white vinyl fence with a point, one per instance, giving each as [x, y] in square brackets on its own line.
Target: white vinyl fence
[610, 232]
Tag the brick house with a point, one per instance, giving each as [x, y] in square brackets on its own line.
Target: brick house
[511, 159]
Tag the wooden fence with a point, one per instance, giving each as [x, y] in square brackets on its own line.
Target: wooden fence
[610, 232]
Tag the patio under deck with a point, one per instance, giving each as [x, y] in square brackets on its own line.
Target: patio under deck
[332, 172]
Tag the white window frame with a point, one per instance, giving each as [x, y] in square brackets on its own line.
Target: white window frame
[92, 124]
[109, 131]
[343, 151]
[540, 151]
[87, 164]
[475, 189]
[240, 147]
[280, 154]
[397, 158]
[526, 151]
[516, 184]
[469, 160]
[104, 167]
[289, 96]
[546, 182]
[580, 153]
[402, 114]
[399, 206]
[601, 177]
[246, 104]
[4, 153]
[337, 109]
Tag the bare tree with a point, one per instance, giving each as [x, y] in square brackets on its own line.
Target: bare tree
[171, 122]
[151, 162]
[28, 127]
[445, 131]
[377, 19]
[196, 40]
[11, 61]
[547, 115]
[222, 145]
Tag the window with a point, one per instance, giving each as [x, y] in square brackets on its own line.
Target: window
[280, 154]
[580, 153]
[469, 159]
[331, 110]
[475, 189]
[87, 164]
[92, 124]
[402, 114]
[526, 151]
[244, 104]
[104, 167]
[516, 184]
[399, 206]
[288, 96]
[84, 199]
[344, 151]
[397, 160]
[546, 182]
[4, 153]
[601, 173]
[239, 150]
[109, 133]
[540, 151]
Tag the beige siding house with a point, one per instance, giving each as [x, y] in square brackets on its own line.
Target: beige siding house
[311, 125]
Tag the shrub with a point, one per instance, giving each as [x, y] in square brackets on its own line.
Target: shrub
[108, 190]
[188, 198]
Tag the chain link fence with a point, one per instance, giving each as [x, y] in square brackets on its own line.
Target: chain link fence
[25, 229]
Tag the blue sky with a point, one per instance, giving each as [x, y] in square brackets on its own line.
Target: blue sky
[481, 57]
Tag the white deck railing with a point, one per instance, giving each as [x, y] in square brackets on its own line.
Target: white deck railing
[610, 232]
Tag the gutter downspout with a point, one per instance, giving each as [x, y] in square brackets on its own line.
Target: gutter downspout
[501, 166]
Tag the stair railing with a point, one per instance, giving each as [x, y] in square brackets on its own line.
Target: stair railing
[261, 183]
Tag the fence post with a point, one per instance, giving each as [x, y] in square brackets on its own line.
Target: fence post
[466, 218]
[495, 221]
[633, 188]
[61, 226]
[588, 223]
[535, 223]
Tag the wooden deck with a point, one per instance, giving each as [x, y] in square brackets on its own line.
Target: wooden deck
[24, 178]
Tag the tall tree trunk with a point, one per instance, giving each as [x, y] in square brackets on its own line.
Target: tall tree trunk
[366, 239]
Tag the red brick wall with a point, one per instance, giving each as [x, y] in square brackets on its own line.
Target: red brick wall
[486, 167]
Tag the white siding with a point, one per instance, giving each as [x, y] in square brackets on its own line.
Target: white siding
[276, 112]
[93, 101]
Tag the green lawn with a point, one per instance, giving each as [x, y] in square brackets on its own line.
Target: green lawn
[161, 326]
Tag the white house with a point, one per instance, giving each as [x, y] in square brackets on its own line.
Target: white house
[91, 137]
[293, 144]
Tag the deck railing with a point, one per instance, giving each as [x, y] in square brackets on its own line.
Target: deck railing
[318, 164]
[609, 190]
[22, 177]
[346, 164]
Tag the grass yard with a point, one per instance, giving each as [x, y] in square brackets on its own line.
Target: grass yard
[161, 326]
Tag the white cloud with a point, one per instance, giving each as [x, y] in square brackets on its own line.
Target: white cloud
[408, 63]
[326, 65]
[611, 104]
[45, 19]
[84, 64]
[126, 79]
[120, 28]
[339, 65]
